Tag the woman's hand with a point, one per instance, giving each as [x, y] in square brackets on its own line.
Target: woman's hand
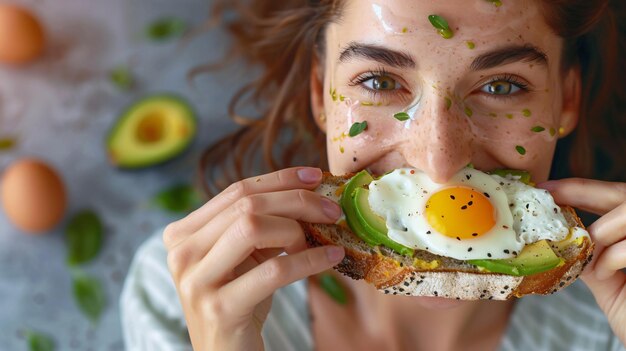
[224, 257]
[603, 276]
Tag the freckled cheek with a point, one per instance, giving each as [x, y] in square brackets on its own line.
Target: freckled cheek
[349, 153]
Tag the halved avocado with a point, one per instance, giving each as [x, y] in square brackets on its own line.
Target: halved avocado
[153, 130]
[535, 258]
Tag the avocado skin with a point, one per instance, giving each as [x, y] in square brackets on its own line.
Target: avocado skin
[535, 258]
[127, 114]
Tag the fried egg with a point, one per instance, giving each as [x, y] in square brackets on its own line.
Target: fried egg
[472, 216]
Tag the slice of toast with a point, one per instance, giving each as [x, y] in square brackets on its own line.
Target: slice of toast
[396, 274]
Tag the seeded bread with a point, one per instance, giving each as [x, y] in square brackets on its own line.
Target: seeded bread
[396, 274]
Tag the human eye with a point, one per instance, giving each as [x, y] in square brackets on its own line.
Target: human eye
[378, 82]
[504, 86]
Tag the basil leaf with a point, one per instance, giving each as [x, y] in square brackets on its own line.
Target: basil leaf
[83, 236]
[401, 116]
[179, 198]
[441, 25]
[89, 295]
[7, 143]
[121, 77]
[333, 288]
[496, 3]
[165, 28]
[537, 129]
[357, 128]
[520, 149]
[39, 342]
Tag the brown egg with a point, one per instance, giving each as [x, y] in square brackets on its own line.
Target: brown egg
[33, 196]
[22, 38]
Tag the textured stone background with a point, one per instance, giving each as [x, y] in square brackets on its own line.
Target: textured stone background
[61, 109]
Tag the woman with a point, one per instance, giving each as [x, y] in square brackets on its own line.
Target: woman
[497, 87]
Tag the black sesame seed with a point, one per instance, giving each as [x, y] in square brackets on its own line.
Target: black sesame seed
[354, 159]
[568, 278]
[488, 254]
[464, 207]
[490, 297]
[515, 253]
[501, 291]
[502, 183]
[505, 226]
[485, 291]
[452, 197]
[468, 176]
[487, 195]
[470, 203]
[506, 251]
[469, 249]
[401, 289]
[458, 298]
[506, 287]
[422, 277]
[407, 283]
[428, 232]
[555, 210]
[436, 294]
[474, 234]
[561, 284]
[527, 206]
[457, 238]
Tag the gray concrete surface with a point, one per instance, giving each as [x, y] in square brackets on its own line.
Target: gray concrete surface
[61, 109]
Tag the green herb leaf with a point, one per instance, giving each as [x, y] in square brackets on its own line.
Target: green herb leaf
[470, 45]
[552, 131]
[537, 129]
[89, 295]
[83, 236]
[181, 198]
[333, 288]
[357, 128]
[496, 3]
[468, 112]
[441, 25]
[470, 165]
[121, 77]
[39, 342]
[166, 28]
[401, 116]
[520, 149]
[526, 112]
[7, 143]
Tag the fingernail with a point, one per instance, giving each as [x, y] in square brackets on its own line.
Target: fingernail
[334, 253]
[309, 175]
[331, 209]
[549, 185]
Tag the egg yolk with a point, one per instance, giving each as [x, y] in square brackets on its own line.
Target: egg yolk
[460, 212]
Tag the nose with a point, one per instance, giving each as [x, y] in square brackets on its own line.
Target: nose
[441, 140]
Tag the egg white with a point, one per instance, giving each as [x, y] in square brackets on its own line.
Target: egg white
[400, 198]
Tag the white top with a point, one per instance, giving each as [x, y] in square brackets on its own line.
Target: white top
[152, 317]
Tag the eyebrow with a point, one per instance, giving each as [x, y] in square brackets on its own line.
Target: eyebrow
[509, 54]
[377, 53]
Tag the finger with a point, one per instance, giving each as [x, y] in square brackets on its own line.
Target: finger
[593, 196]
[254, 232]
[289, 178]
[611, 227]
[259, 283]
[611, 260]
[298, 204]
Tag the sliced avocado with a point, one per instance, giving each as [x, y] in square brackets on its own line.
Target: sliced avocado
[347, 205]
[535, 258]
[524, 175]
[152, 130]
[373, 224]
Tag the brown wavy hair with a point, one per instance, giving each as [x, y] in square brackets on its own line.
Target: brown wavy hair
[283, 37]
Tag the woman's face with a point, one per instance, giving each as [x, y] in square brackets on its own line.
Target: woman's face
[493, 94]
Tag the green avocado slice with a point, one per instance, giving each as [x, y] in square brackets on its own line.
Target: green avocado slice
[355, 214]
[375, 225]
[535, 258]
[153, 130]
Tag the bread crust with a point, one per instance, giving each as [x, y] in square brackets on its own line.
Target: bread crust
[395, 274]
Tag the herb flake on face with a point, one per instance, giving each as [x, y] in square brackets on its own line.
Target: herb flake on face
[448, 102]
[552, 131]
[520, 149]
[496, 3]
[441, 25]
[537, 129]
[401, 116]
[468, 112]
[357, 128]
[470, 45]
[526, 112]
